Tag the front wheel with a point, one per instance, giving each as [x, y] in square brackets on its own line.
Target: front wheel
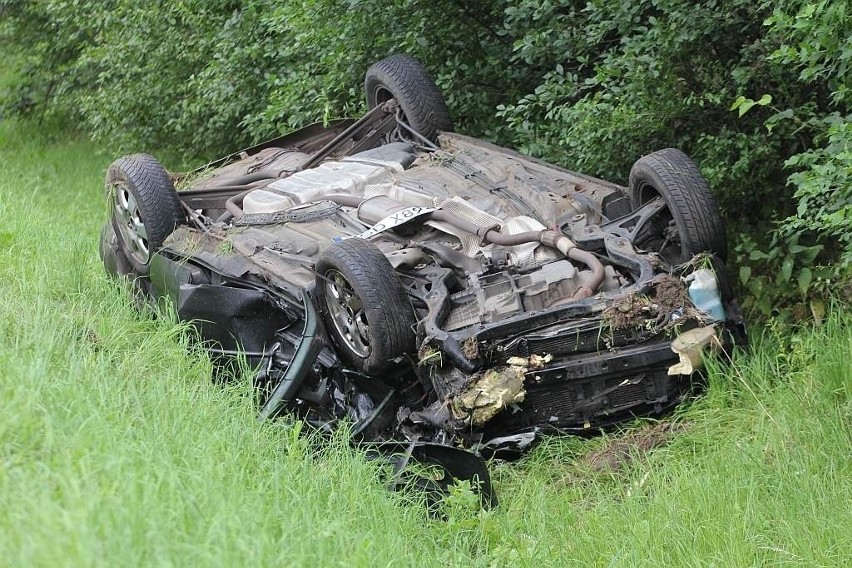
[690, 222]
[144, 205]
[365, 306]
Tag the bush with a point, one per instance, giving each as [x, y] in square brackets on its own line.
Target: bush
[590, 85]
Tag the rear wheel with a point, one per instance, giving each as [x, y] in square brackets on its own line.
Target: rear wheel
[365, 307]
[690, 222]
[144, 205]
[403, 78]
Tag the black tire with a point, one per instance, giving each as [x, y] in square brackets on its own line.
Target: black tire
[691, 222]
[403, 78]
[364, 306]
[144, 205]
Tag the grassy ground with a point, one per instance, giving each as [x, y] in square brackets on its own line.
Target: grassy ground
[116, 449]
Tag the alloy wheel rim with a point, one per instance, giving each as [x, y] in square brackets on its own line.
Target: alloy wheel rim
[347, 313]
[130, 224]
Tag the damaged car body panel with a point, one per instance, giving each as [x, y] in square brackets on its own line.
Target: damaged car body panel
[429, 288]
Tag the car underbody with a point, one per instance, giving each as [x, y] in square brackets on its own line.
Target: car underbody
[437, 293]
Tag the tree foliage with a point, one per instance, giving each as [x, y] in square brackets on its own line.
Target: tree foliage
[756, 91]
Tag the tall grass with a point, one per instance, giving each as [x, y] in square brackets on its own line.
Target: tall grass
[116, 448]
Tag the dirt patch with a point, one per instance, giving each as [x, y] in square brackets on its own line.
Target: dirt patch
[470, 348]
[629, 313]
[620, 452]
[656, 310]
[669, 293]
[428, 355]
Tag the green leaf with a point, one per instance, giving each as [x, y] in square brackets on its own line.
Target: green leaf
[810, 254]
[817, 310]
[805, 276]
[746, 106]
[786, 271]
[745, 273]
[764, 100]
[736, 104]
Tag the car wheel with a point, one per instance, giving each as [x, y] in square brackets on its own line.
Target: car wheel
[403, 78]
[690, 222]
[364, 305]
[145, 207]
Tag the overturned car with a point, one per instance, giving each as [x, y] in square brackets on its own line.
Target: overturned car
[447, 297]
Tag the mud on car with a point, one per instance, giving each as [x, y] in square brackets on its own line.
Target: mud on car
[448, 298]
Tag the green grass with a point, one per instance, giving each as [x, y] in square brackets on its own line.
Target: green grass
[116, 448]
